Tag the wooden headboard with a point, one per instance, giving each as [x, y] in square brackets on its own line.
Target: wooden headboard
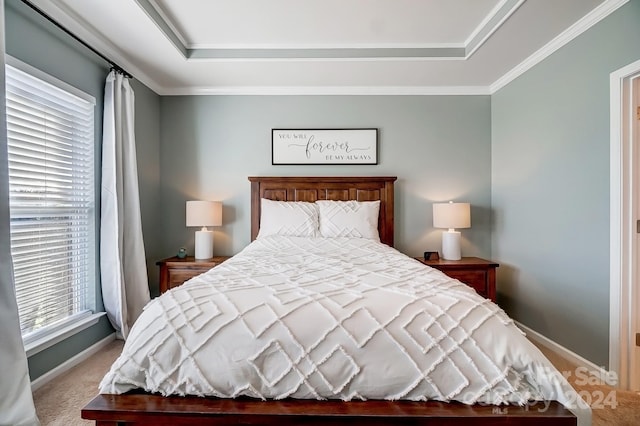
[367, 188]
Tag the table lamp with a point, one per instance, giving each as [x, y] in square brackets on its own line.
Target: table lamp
[204, 213]
[451, 215]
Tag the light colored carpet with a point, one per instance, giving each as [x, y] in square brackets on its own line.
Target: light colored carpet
[609, 406]
[59, 401]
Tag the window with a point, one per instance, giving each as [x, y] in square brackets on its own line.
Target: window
[50, 128]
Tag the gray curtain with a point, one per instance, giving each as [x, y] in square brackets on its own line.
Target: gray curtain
[123, 267]
[16, 401]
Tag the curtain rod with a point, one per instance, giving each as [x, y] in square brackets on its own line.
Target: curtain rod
[78, 39]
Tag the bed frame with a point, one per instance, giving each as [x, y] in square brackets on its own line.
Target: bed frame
[140, 408]
[369, 188]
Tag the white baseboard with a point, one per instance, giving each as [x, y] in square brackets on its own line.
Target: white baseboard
[71, 362]
[563, 352]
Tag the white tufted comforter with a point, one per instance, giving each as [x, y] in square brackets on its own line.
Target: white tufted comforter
[338, 318]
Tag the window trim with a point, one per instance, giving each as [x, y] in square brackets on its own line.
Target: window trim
[48, 78]
[64, 330]
[67, 327]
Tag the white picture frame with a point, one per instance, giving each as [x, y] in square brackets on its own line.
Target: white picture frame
[324, 146]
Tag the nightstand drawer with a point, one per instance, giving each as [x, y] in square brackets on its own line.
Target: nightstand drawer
[179, 276]
[475, 279]
[175, 271]
[480, 274]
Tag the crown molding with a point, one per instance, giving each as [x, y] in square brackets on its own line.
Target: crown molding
[329, 90]
[327, 54]
[588, 21]
[489, 25]
[70, 19]
[159, 17]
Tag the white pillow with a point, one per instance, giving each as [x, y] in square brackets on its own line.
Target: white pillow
[291, 218]
[349, 218]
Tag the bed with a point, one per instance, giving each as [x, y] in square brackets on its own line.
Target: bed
[283, 373]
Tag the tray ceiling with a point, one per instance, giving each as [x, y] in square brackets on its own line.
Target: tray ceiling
[324, 46]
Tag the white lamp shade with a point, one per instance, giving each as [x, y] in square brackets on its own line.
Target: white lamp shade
[451, 215]
[204, 213]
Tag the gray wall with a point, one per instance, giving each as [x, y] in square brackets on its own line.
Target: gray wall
[37, 42]
[147, 130]
[550, 187]
[438, 146]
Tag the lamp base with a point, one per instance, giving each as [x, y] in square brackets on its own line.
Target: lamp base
[204, 245]
[451, 245]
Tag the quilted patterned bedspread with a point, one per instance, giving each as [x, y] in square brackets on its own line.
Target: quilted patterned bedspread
[338, 318]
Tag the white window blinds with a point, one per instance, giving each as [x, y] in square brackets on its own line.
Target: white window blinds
[52, 202]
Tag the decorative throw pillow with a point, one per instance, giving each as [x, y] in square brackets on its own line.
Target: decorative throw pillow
[349, 218]
[292, 218]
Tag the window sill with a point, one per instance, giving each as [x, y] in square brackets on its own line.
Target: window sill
[58, 336]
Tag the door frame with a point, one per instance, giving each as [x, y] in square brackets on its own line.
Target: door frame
[624, 211]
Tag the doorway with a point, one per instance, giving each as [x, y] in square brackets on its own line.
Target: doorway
[624, 354]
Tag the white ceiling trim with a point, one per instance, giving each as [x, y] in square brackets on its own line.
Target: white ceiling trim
[489, 25]
[84, 30]
[164, 24]
[322, 54]
[327, 59]
[589, 20]
[240, 46]
[330, 91]
[484, 30]
[152, 5]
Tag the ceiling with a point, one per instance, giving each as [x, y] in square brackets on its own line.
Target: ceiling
[326, 46]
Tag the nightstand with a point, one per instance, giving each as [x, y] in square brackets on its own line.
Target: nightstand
[175, 271]
[473, 271]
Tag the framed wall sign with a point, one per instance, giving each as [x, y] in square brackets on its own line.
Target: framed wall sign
[324, 146]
